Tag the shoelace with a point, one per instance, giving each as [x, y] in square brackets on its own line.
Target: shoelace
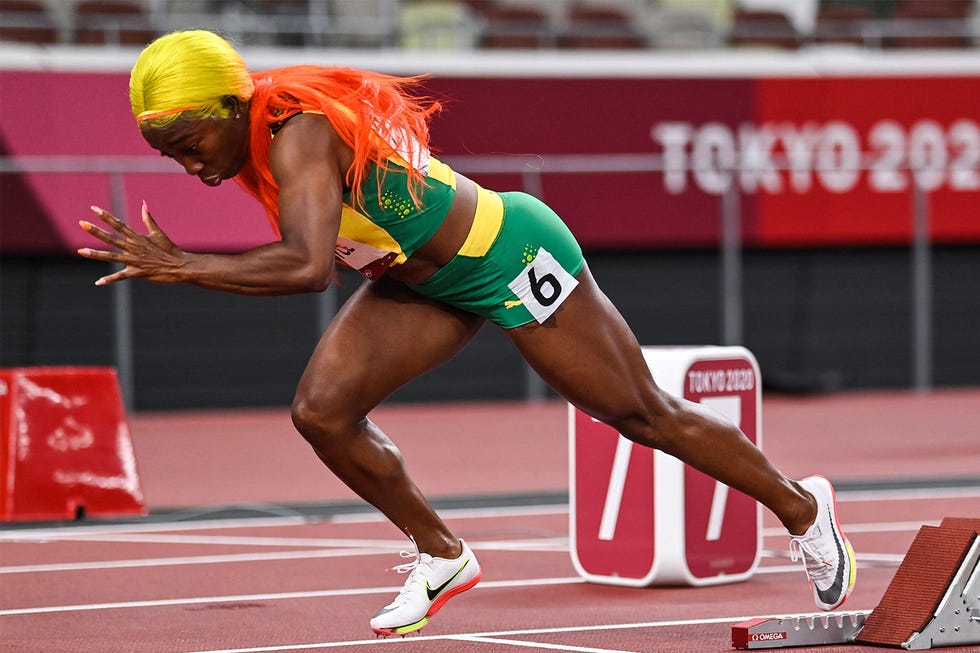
[817, 566]
[411, 567]
[406, 567]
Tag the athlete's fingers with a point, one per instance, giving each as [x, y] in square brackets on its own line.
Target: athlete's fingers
[100, 255]
[101, 234]
[112, 278]
[126, 272]
[151, 224]
[114, 222]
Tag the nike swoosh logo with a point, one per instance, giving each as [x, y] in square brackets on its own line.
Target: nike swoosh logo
[432, 593]
[833, 593]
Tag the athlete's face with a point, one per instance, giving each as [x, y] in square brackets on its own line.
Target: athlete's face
[213, 149]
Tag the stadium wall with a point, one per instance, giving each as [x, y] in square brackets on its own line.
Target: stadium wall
[829, 157]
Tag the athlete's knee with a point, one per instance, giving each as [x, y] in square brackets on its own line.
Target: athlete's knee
[347, 442]
[670, 424]
[320, 419]
[657, 423]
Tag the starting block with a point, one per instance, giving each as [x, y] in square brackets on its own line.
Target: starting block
[934, 597]
[933, 601]
[803, 630]
[65, 446]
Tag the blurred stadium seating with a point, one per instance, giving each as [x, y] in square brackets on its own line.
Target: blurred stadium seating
[511, 24]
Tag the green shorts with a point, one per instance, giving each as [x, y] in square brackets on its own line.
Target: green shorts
[524, 273]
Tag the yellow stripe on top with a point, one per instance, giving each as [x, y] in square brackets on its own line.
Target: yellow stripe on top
[364, 228]
[486, 223]
[389, 218]
[358, 227]
[441, 172]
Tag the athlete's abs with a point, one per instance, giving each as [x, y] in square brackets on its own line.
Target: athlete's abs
[443, 246]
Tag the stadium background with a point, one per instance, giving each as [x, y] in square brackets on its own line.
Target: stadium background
[804, 183]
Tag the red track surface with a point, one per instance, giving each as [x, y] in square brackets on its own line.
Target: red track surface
[286, 584]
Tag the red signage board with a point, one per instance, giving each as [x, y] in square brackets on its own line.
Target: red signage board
[614, 529]
[640, 517]
[629, 162]
[720, 523]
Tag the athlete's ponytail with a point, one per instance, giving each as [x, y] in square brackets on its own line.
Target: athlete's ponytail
[381, 117]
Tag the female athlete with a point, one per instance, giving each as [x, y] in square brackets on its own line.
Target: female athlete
[339, 158]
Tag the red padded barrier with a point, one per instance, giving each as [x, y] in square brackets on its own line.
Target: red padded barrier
[65, 446]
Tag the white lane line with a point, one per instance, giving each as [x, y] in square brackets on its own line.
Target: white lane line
[312, 542]
[356, 546]
[866, 527]
[642, 624]
[279, 596]
[863, 557]
[191, 560]
[463, 513]
[843, 496]
[71, 532]
[412, 639]
[236, 540]
[76, 531]
[909, 494]
[557, 544]
[537, 645]
[141, 532]
[892, 561]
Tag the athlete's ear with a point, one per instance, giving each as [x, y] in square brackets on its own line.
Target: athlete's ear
[232, 103]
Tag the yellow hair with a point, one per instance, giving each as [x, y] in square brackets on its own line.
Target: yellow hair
[187, 73]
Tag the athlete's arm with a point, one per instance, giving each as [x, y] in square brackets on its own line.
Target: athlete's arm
[307, 160]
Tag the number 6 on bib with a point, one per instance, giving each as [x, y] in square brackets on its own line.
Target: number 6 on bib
[543, 285]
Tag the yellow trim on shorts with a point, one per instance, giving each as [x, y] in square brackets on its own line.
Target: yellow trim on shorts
[486, 224]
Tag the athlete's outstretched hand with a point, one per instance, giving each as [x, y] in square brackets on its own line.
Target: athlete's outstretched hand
[152, 256]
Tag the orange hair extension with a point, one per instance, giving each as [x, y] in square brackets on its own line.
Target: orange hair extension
[368, 110]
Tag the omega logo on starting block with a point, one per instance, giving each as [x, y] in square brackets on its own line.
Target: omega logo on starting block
[641, 517]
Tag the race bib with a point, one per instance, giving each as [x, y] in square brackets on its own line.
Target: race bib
[543, 285]
[369, 261]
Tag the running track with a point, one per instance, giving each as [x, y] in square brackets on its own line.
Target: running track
[251, 547]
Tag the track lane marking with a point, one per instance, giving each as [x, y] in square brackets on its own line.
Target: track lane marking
[32, 534]
[189, 560]
[879, 559]
[546, 545]
[69, 532]
[312, 542]
[538, 645]
[394, 641]
[865, 527]
[135, 531]
[277, 596]
[359, 546]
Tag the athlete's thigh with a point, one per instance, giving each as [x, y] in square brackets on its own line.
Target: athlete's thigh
[384, 336]
[589, 355]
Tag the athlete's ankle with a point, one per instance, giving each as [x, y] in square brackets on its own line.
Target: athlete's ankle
[803, 515]
[448, 548]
